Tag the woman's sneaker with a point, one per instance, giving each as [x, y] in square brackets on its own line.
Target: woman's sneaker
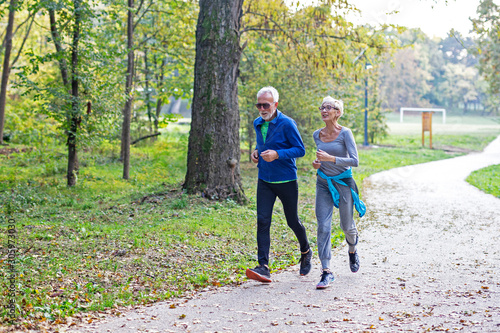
[326, 279]
[305, 262]
[260, 273]
[354, 261]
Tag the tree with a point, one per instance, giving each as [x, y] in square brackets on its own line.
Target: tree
[75, 103]
[127, 110]
[404, 79]
[487, 26]
[214, 144]
[83, 102]
[6, 64]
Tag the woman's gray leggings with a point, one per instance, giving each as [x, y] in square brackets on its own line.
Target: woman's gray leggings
[324, 210]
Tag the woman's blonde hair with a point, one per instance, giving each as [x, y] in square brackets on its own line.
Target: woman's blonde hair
[336, 103]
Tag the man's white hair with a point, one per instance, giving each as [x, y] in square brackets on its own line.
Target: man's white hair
[271, 90]
[336, 103]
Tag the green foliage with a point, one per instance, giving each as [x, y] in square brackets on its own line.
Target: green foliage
[99, 99]
[487, 26]
[486, 179]
[28, 127]
[435, 73]
[165, 38]
[307, 54]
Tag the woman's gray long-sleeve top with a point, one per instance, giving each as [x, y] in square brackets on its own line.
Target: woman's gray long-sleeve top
[343, 148]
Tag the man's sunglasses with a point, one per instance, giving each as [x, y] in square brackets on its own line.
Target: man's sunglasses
[328, 108]
[264, 106]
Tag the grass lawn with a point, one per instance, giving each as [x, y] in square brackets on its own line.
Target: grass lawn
[460, 133]
[107, 242]
[487, 179]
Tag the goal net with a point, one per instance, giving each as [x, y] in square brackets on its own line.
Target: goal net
[403, 110]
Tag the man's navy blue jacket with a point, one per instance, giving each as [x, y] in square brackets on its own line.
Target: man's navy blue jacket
[283, 137]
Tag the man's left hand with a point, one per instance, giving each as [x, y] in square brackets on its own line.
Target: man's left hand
[269, 155]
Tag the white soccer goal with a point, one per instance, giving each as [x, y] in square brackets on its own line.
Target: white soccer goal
[402, 110]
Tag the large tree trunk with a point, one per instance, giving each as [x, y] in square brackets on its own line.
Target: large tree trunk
[127, 111]
[75, 105]
[6, 65]
[214, 143]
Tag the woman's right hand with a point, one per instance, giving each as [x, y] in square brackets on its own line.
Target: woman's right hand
[316, 164]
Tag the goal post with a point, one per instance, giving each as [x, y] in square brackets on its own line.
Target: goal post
[402, 111]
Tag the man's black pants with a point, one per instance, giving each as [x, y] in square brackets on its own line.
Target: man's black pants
[288, 193]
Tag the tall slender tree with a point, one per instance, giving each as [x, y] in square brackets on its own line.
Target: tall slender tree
[6, 64]
[75, 100]
[127, 111]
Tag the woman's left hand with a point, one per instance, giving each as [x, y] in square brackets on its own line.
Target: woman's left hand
[316, 164]
[323, 156]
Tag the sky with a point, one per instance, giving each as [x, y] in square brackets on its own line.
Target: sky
[434, 17]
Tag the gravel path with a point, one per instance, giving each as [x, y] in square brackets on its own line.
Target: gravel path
[430, 260]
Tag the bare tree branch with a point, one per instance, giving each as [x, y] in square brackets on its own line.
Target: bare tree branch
[142, 15]
[139, 8]
[144, 137]
[276, 23]
[22, 44]
[145, 40]
[57, 42]
[32, 14]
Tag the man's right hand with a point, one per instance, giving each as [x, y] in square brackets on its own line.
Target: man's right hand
[255, 156]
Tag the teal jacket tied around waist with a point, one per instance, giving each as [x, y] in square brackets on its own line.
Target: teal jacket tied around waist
[358, 204]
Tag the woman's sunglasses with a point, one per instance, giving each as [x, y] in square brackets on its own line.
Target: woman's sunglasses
[328, 108]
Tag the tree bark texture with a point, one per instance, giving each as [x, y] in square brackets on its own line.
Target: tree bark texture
[127, 110]
[214, 144]
[75, 105]
[6, 65]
